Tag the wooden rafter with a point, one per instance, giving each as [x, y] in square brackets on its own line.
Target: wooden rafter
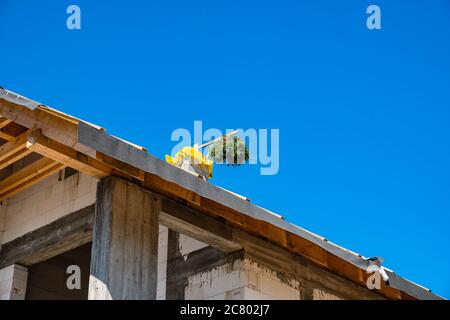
[28, 176]
[10, 130]
[14, 150]
[69, 157]
[62, 235]
[52, 126]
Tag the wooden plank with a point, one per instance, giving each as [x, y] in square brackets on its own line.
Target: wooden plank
[14, 150]
[66, 155]
[11, 131]
[200, 227]
[28, 176]
[5, 136]
[290, 265]
[179, 269]
[62, 235]
[121, 166]
[112, 210]
[15, 157]
[230, 239]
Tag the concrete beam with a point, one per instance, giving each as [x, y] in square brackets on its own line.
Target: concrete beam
[48, 241]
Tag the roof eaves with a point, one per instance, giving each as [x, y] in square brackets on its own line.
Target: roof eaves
[115, 148]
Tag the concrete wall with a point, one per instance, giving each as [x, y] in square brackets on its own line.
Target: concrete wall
[2, 220]
[248, 279]
[187, 245]
[13, 282]
[45, 202]
[267, 272]
[235, 280]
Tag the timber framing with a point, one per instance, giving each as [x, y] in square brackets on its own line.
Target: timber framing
[185, 220]
[14, 150]
[58, 152]
[60, 236]
[28, 176]
[63, 140]
[4, 122]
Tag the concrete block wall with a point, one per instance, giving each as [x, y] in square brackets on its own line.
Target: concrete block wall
[239, 280]
[44, 203]
[13, 282]
[320, 294]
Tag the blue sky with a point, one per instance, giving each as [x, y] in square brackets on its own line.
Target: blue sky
[364, 116]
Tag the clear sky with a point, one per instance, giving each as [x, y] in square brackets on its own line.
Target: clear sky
[364, 116]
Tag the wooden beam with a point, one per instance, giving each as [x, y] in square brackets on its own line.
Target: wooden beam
[229, 239]
[69, 157]
[11, 130]
[56, 127]
[62, 235]
[5, 136]
[28, 176]
[4, 122]
[14, 150]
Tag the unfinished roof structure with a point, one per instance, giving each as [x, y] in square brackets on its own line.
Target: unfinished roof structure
[132, 196]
